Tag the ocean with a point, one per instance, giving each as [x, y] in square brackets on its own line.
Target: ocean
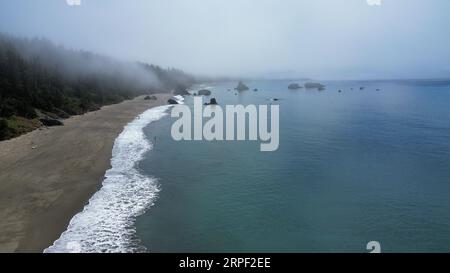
[352, 167]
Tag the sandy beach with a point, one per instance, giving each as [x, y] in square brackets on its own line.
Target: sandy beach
[48, 175]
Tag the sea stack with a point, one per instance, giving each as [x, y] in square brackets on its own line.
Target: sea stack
[150, 98]
[204, 92]
[294, 86]
[49, 122]
[242, 87]
[314, 85]
[212, 101]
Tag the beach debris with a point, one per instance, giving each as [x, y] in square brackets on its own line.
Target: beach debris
[294, 86]
[204, 92]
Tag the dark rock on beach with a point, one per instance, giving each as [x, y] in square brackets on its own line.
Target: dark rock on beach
[212, 102]
[204, 92]
[51, 122]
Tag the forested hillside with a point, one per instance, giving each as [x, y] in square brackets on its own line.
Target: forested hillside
[38, 77]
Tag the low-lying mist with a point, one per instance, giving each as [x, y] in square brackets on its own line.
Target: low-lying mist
[74, 65]
[39, 79]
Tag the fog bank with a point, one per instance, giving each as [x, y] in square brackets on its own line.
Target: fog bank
[324, 39]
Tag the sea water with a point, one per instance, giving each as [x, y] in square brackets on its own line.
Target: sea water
[353, 166]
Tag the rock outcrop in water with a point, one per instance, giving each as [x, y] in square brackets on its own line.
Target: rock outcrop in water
[181, 90]
[212, 101]
[314, 85]
[242, 87]
[294, 86]
[150, 98]
[204, 92]
[51, 122]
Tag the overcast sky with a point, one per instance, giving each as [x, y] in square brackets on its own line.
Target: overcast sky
[323, 39]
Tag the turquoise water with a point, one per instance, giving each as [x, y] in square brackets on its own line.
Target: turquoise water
[352, 167]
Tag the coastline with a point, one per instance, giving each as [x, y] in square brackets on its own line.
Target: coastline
[47, 176]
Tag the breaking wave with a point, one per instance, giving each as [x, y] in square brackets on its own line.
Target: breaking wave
[106, 223]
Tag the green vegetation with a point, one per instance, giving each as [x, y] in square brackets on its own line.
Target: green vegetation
[4, 129]
[38, 75]
[15, 126]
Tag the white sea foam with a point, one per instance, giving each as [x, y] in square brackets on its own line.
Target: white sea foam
[179, 99]
[106, 223]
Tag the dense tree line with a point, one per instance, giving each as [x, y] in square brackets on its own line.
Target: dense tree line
[36, 75]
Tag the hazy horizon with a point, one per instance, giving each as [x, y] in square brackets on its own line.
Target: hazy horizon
[321, 39]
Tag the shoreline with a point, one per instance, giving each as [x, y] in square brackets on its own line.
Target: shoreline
[47, 176]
